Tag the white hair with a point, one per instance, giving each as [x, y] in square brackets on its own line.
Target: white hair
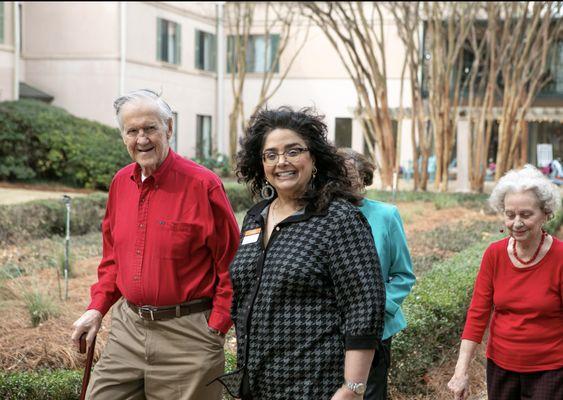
[164, 110]
[527, 178]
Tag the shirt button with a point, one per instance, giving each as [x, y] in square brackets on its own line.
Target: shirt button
[138, 252]
[136, 277]
[277, 228]
[140, 225]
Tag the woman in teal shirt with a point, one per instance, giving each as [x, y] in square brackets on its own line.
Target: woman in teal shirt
[396, 267]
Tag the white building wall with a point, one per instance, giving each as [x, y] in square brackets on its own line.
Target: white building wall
[7, 55]
[190, 92]
[72, 51]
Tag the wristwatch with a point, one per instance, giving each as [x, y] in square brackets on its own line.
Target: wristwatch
[359, 388]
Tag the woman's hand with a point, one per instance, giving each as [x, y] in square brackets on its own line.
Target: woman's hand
[345, 394]
[459, 385]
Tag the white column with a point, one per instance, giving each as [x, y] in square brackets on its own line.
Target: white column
[17, 41]
[220, 101]
[463, 143]
[122, 45]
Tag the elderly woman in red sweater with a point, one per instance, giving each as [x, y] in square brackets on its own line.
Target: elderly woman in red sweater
[520, 284]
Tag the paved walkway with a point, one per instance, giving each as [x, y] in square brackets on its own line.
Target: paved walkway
[13, 195]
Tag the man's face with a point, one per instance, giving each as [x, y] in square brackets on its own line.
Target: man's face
[145, 135]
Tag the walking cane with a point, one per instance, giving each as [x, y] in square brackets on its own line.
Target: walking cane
[89, 359]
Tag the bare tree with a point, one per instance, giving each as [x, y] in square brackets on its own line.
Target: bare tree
[242, 21]
[481, 84]
[408, 20]
[532, 30]
[239, 18]
[356, 31]
[448, 25]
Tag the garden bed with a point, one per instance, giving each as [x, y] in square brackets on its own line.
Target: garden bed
[434, 233]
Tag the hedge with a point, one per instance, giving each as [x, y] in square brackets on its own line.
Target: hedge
[440, 200]
[435, 311]
[44, 218]
[43, 142]
[44, 385]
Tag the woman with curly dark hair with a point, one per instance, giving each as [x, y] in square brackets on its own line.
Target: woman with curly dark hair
[308, 298]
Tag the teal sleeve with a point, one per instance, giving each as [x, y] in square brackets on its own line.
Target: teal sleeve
[401, 275]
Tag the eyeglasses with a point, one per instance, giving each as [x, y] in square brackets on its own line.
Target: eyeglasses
[291, 155]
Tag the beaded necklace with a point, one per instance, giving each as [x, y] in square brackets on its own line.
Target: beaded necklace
[543, 235]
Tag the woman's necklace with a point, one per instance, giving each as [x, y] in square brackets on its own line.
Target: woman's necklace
[274, 205]
[543, 235]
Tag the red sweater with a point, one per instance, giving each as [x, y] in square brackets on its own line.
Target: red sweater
[526, 331]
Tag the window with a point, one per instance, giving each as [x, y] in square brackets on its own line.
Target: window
[203, 138]
[205, 51]
[174, 140]
[1, 22]
[343, 132]
[555, 63]
[168, 41]
[258, 58]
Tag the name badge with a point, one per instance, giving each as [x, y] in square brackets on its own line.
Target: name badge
[251, 236]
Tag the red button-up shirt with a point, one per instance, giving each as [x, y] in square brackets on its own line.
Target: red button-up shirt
[167, 240]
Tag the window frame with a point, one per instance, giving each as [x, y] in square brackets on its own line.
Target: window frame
[251, 60]
[162, 25]
[2, 23]
[209, 42]
[201, 152]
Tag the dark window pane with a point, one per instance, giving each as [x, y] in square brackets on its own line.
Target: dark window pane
[203, 136]
[343, 132]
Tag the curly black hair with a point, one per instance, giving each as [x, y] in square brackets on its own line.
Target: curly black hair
[331, 180]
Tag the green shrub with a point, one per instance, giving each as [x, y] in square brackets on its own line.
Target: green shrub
[218, 164]
[230, 361]
[555, 223]
[435, 312]
[239, 196]
[44, 385]
[440, 200]
[43, 218]
[45, 142]
[39, 306]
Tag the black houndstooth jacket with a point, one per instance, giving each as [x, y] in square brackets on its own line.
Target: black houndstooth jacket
[314, 292]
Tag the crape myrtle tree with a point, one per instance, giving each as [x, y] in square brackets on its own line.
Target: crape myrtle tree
[277, 27]
[356, 30]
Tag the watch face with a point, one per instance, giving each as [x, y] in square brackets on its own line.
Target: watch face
[360, 388]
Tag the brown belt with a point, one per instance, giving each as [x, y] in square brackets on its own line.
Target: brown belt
[153, 313]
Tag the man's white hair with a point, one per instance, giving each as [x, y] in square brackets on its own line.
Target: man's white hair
[164, 110]
[527, 178]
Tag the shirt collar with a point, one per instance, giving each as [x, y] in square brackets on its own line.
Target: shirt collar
[256, 213]
[158, 175]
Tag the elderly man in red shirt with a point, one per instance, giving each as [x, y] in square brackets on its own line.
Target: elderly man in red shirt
[169, 235]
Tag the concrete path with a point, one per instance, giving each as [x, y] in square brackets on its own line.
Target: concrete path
[13, 195]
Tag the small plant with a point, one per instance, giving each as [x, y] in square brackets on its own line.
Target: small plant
[39, 306]
[555, 223]
[218, 163]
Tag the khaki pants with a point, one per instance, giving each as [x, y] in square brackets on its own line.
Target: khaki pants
[170, 359]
